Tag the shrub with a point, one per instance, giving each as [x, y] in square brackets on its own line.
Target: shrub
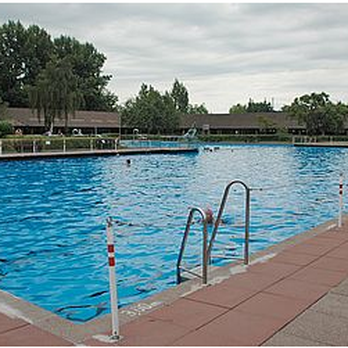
[5, 128]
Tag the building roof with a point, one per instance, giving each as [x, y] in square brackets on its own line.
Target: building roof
[240, 121]
[22, 117]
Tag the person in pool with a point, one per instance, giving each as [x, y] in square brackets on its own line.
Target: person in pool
[210, 215]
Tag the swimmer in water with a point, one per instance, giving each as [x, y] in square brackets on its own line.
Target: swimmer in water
[210, 215]
[128, 162]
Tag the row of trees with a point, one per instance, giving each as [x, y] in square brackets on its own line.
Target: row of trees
[252, 106]
[27, 53]
[318, 113]
[315, 111]
[156, 112]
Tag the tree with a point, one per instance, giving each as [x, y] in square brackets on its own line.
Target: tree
[318, 113]
[180, 96]
[197, 109]
[150, 111]
[55, 93]
[87, 64]
[25, 52]
[3, 109]
[259, 106]
[12, 66]
[251, 107]
[266, 124]
[5, 128]
[238, 109]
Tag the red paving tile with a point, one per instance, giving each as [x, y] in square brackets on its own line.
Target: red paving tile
[331, 263]
[189, 314]
[319, 276]
[310, 249]
[151, 332]
[222, 295]
[252, 281]
[335, 234]
[341, 252]
[30, 335]
[295, 258]
[270, 305]
[299, 290]
[7, 323]
[334, 242]
[233, 328]
[274, 269]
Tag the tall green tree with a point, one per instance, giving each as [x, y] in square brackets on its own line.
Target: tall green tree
[180, 95]
[3, 109]
[238, 109]
[319, 114]
[38, 52]
[150, 111]
[25, 52]
[87, 64]
[259, 106]
[197, 109]
[55, 93]
[251, 107]
[12, 65]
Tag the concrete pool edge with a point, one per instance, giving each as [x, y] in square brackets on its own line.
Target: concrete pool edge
[78, 333]
[94, 153]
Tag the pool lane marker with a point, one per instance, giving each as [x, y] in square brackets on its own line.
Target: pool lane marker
[115, 335]
[340, 210]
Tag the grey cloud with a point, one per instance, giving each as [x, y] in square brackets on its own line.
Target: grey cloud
[225, 53]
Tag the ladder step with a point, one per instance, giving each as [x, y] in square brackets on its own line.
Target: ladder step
[189, 274]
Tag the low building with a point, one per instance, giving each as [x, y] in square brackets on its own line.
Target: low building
[95, 122]
[89, 122]
[249, 123]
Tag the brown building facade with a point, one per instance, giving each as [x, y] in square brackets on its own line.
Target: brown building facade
[91, 122]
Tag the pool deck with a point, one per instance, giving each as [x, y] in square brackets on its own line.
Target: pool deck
[293, 293]
[89, 153]
[323, 144]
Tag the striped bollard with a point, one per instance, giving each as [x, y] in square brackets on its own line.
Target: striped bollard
[112, 280]
[340, 211]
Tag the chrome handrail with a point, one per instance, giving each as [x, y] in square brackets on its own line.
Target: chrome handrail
[247, 218]
[179, 268]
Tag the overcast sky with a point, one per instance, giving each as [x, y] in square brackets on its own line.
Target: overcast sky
[224, 53]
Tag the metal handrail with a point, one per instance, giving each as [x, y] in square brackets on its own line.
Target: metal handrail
[179, 268]
[247, 218]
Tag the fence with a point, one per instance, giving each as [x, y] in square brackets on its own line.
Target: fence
[172, 143]
[75, 144]
[55, 144]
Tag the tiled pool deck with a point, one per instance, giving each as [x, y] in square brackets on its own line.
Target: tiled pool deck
[295, 293]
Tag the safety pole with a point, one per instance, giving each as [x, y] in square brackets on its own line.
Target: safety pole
[0, 147]
[340, 208]
[64, 145]
[112, 281]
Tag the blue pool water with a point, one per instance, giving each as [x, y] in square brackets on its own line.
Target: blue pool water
[53, 211]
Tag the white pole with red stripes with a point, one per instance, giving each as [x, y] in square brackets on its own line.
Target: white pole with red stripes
[340, 211]
[112, 280]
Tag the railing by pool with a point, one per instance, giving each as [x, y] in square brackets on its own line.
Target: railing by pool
[158, 144]
[82, 144]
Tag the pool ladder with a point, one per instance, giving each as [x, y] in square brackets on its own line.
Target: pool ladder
[207, 247]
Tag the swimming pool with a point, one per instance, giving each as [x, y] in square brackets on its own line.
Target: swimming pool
[53, 212]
